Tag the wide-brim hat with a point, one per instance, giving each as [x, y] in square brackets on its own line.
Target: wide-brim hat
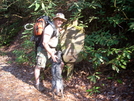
[60, 16]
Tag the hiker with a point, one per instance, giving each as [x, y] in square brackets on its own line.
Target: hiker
[49, 44]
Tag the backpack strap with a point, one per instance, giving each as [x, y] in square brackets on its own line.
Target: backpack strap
[48, 21]
[54, 29]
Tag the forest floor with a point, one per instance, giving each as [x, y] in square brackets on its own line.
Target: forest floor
[17, 82]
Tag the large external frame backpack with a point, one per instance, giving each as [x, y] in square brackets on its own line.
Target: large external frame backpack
[39, 27]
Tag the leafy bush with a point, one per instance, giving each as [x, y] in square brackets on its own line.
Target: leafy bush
[8, 33]
[106, 40]
[26, 55]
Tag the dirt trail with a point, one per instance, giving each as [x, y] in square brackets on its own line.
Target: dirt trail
[17, 84]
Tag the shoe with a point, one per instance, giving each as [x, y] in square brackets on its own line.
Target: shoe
[39, 87]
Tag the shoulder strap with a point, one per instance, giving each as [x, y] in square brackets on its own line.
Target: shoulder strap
[48, 21]
[54, 29]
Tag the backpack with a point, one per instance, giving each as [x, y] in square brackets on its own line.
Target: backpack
[38, 29]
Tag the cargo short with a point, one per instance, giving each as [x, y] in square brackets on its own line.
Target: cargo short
[41, 58]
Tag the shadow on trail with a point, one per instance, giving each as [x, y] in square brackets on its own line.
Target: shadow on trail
[26, 74]
[22, 72]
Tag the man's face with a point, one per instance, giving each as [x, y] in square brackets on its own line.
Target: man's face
[58, 22]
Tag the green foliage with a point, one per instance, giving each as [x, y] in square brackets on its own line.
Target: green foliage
[102, 38]
[7, 33]
[10, 19]
[104, 44]
[78, 7]
[115, 77]
[20, 56]
[116, 20]
[94, 77]
[131, 26]
[43, 7]
[116, 57]
[27, 53]
[119, 81]
[94, 90]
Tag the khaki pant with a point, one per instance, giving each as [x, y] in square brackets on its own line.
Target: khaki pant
[41, 58]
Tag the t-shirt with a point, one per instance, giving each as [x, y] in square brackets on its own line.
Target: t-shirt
[53, 42]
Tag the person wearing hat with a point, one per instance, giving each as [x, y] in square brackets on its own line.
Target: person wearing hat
[49, 44]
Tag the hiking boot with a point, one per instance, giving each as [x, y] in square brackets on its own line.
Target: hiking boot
[39, 87]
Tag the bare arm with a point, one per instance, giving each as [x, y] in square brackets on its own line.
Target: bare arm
[46, 37]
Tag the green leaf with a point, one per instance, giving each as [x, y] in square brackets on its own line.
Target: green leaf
[98, 72]
[43, 6]
[92, 78]
[36, 6]
[115, 68]
[122, 66]
[98, 5]
[123, 62]
[97, 77]
[32, 5]
[124, 54]
[89, 90]
[119, 81]
[97, 87]
[110, 77]
[128, 56]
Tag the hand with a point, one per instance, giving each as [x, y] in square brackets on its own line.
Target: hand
[54, 58]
